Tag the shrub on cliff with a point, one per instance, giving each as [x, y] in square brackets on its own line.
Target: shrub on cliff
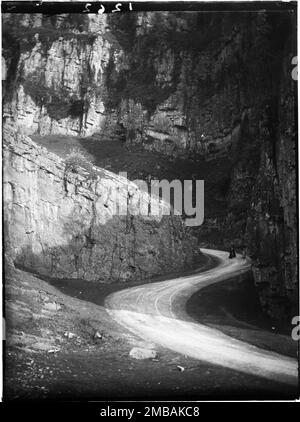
[76, 160]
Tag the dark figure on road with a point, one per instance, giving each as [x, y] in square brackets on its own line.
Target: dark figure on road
[232, 253]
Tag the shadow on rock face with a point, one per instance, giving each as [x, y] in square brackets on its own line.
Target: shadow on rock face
[123, 249]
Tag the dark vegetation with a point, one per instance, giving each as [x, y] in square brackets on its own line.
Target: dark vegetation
[60, 104]
[138, 82]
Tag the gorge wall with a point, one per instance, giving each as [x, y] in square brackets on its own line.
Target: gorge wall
[63, 223]
[211, 85]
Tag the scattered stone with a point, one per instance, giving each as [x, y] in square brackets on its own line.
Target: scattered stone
[181, 368]
[140, 353]
[53, 350]
[40, 345]
[98, 335]
[69, 335]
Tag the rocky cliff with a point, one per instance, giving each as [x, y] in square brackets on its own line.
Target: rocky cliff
[211, 85]
[62, 221]
[55, 70]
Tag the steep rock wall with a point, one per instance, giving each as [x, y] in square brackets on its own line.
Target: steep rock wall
[55, 67]
[64, 224]
[271, 230]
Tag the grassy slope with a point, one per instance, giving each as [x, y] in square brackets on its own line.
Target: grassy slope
[116, 156]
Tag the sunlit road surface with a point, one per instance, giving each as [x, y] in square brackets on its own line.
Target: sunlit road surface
[156, 313]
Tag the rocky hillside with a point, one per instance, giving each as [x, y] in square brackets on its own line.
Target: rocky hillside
[212, 85]
[61, 221]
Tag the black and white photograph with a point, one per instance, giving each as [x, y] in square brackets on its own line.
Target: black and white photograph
[150, 203]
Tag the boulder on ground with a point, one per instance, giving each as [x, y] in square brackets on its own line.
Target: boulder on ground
[141, 353]
[52, 306]
[98, 335]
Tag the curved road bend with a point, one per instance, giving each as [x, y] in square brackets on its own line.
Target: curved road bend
[156, 312]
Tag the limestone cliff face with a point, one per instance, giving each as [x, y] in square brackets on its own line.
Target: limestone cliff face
[179, 83]
[212, 85]
[64, 223]
[271, 230]
[55, 72]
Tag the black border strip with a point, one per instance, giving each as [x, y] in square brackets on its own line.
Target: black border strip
[94, 6]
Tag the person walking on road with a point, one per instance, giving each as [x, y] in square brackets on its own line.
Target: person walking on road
[232, 253]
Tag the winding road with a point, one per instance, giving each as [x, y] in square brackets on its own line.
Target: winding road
[156, 313]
